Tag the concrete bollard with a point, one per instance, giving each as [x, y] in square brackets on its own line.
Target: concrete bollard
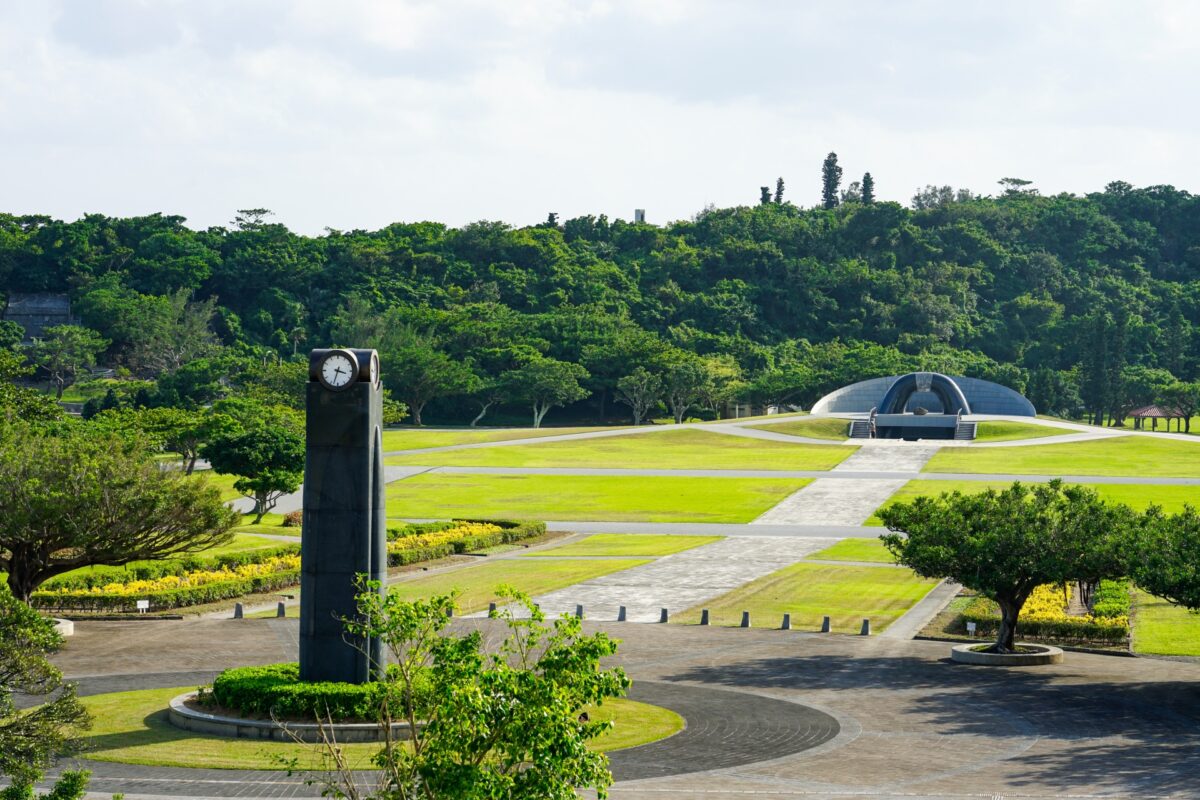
[787, 623]
[491, 609]
[662, 617]
[579, 610]
[449, 612]
[745, 619]
[825, 625]
[866, 628]
[704, 616]
[238, 611]
[621, 614]
[281, 609]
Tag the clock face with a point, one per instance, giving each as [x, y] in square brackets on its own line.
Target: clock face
[337, 371]
[374, 369]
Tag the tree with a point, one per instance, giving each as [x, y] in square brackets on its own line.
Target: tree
[268, 460]
[1184, 397]
[175, 430]
[782, 385]
[418, 373]
[1165, 556]
[545, 383]
[764, 195]
[685, 382]
[488, 392]
[20, 402]
[778, 191]
[640, 391]
[65, 352]
[831, 179]
[86, 497]
[868, 189]
[11, 334]
[500, 724]
[1004, 544]
[31, 739]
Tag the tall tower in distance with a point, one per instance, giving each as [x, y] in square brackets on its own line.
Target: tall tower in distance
[639, 215]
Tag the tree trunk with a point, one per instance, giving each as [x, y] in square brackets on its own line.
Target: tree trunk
[482, 410]
[416, 412]
[539, 411]
[603, 398]
[191, 464]
[21, 582]
[61, 387]
[260, 507]
[1006, 636]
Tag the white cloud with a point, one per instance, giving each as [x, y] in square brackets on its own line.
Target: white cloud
[356, 114]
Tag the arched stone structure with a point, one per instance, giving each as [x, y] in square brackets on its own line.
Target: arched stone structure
[925, 383]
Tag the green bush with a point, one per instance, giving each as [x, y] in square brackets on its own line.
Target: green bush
[167, 598]
[276, 689]
[982, 612]
[1111, 599]
[152, 570]
[510, 531]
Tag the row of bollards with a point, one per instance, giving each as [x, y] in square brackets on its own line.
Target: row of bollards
[622, 616]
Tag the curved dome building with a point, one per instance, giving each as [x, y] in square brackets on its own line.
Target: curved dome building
[923, 405]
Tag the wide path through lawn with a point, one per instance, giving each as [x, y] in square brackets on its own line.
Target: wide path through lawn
[680, 581]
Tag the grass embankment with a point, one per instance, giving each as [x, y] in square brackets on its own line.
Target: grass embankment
[1138, 496]
[666, 449]
[1142, 456]
[830, 428]
[856, 550]
[571, 497]
[1004, 431]
[417, 438]
[132, 728]
[625, 545]
[1163, 629]
[811, 591]
[477, 585]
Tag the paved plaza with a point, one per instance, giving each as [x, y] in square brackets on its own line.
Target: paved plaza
[770, 713]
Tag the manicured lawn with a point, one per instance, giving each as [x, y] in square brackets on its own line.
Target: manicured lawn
[132, 728]
[222, 482]
[1002, 431]
[477, 585]
[271, 523]
[626, 545]
[416, 438]
[811, 591]
[1162, 628]
[1136, 496]
[666, 449]
[571, 497]
[819, 428]
[856, 550]
[1125, 455]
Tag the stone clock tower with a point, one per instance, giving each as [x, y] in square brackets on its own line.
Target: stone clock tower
[344, 532]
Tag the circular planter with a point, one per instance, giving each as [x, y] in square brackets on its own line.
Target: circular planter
[1043, 654]
[181, 715]
[64, 627]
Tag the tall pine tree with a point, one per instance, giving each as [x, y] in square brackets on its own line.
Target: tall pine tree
[868, 189]
[764, 195]
[831, 179]
[778, 191]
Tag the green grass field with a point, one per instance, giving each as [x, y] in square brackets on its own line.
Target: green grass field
[1136, 496]
[819, 428]
[626, 545]
[1125, 455]
[856, 550]
[132, 728]
[1001, 431]
[569, 497]
[477, 585]
[666, 449]
[416, 438]
[222, 482]
[811, 591]
[1163, 629]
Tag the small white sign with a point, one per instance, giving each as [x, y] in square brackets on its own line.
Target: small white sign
[143, 606]
[971, 628]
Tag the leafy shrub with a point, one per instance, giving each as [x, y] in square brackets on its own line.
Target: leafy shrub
[1111, 600]
[96, 577]
[1045, 617]
[293, 519]
[461, 536]
[276, 689]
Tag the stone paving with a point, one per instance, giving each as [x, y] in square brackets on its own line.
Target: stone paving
[910, 723]
[851, 501]
[680, 581]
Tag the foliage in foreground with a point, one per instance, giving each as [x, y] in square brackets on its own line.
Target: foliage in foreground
[1004, 544]
[1165, 558]
[276, 690]
[1045, 617]
[31, 739]
[499, 723]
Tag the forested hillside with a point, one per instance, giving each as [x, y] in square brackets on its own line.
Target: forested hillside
[1087, 304]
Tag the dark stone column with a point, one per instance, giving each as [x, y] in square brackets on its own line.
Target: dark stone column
[345, 528]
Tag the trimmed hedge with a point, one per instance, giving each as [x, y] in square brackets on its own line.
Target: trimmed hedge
[153, 570]
[168, 598]
[276, 689]
[984, 614]
[510, 531]
[1111, 599]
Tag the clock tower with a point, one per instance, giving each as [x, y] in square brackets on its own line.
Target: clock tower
[344, 533]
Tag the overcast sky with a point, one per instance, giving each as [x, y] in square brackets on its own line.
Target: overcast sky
[356, 114]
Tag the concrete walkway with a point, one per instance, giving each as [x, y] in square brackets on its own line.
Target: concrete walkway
[679, 581]
[840, 501]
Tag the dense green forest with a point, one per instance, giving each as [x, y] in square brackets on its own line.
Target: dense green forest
[1088, 304]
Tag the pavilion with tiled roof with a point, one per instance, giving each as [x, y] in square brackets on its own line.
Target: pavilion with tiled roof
[1154, 413]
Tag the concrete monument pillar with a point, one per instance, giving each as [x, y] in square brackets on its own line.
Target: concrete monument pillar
[344, 532]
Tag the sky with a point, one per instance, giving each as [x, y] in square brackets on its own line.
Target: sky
[355, 114]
